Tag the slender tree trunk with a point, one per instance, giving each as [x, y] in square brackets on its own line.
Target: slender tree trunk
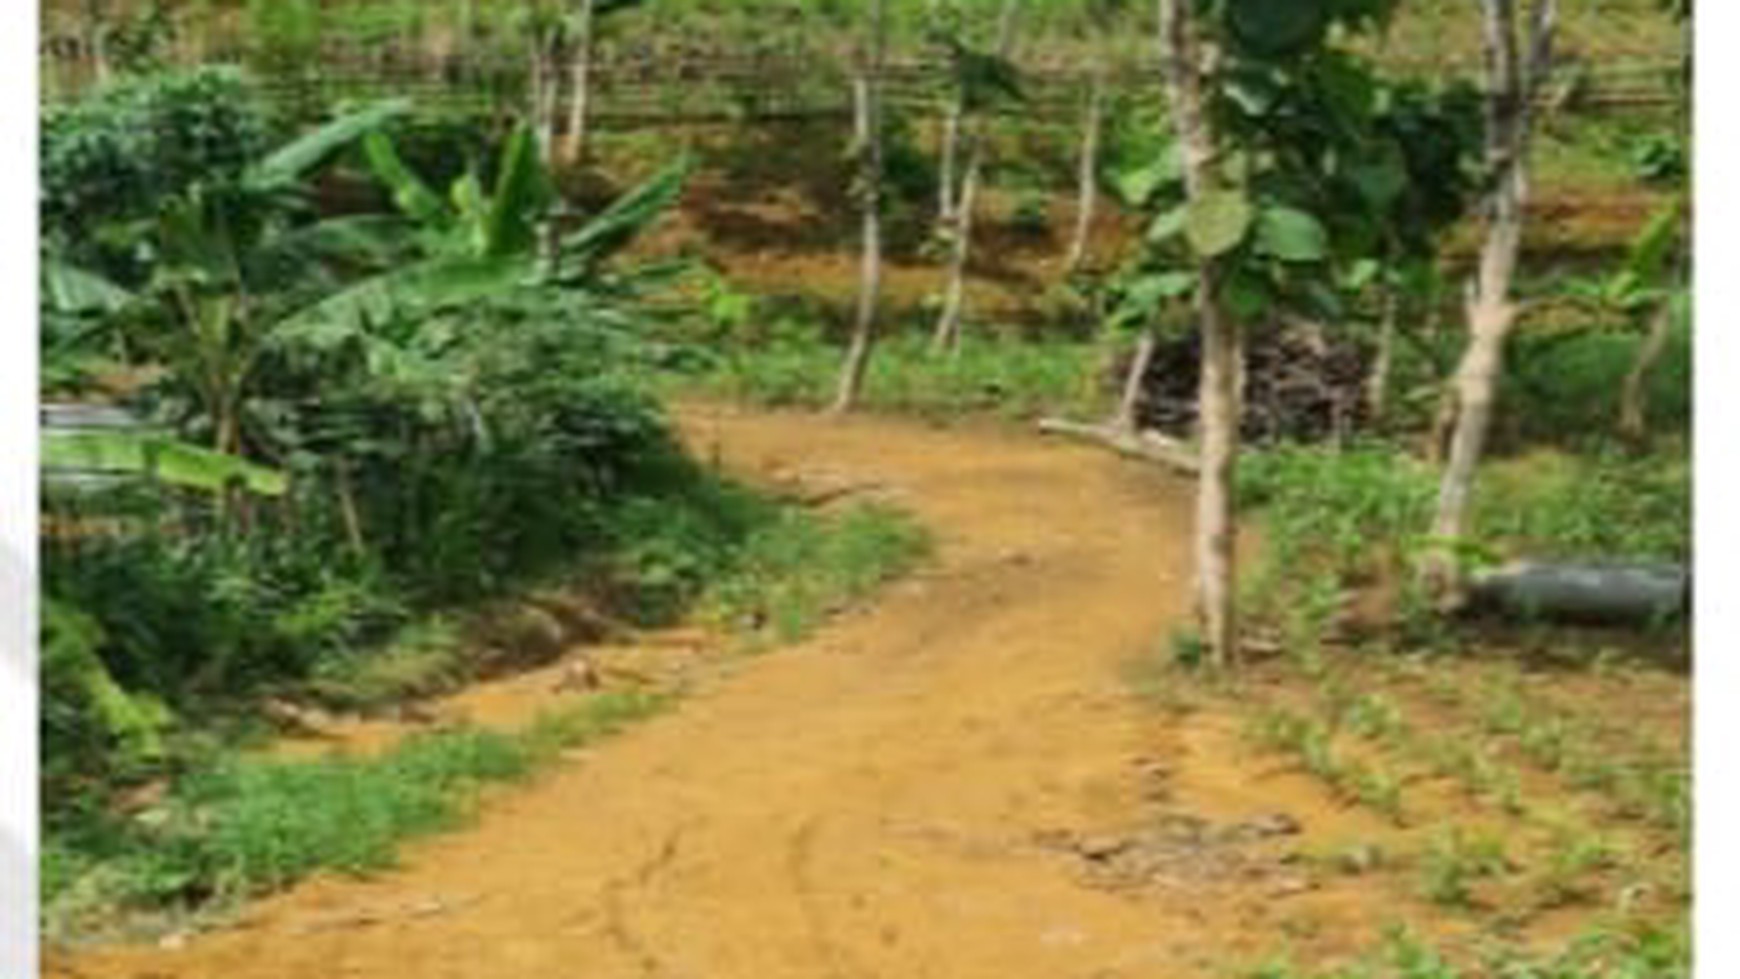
[467, 22]
[1131, 400]
[1512, 83]
[951, 147]
[579, 106]
[1222, 354]
[867, 100]
[1377, 389]
[97, 38]
[1633, 424]
[347, 510]
[1087, 194]
[546, 89]
[947, 335]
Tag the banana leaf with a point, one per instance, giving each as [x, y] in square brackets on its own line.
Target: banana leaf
[522, 193]
[72, 290]
[291, 162]
[172, 462]
[625, 218]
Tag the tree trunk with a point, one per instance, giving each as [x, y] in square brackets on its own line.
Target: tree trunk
[1222, 356]
[1633, 424]
[97, 38]
[579, 106]
[1377, 389]
[951, 147]
[1512, 84]
[947, 335]
[1125, 418]
[866, 98]
[1088, 192]
[546, 87]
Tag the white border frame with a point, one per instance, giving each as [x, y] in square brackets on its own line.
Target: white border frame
[18, 502]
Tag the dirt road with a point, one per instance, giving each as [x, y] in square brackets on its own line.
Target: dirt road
[955, 784]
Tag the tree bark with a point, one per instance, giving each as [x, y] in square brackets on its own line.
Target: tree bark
[947, 335]
[1125, 418]
[1633, 397]
[1512, 83]
[1087, 194]
[1377, 390]
[579, 107]
[1222, 356]
[951, 146]
[546, 89]
[866, 98]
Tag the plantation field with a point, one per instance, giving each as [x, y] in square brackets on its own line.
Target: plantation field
[1056, 488]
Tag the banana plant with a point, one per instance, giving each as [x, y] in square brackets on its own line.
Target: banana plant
[226, 265]
[471, 244]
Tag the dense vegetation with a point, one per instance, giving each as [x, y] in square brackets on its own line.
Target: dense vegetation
[389, 367]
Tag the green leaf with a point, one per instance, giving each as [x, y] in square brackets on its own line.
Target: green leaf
[1218, 221]
[430, 285]
[1246, 295]
[1168, 225]
[522, 193]
[410, 194]
[1380, 177]
[173, 462]
[70, 289]
[1291, 235]
[1276, 27]
[626, 217]
[291, 162]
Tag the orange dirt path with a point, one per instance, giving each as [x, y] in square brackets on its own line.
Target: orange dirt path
[904, 796]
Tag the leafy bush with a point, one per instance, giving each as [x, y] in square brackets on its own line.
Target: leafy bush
[113, 157]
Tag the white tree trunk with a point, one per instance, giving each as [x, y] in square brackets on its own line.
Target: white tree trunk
[1087, 193]
[947, 335]
[1512, 83]
[580, 99]
[1125, 418]
[867, 102]
[951, 148]
[1222, 356]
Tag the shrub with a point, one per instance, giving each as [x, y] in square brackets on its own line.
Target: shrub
[111, 158]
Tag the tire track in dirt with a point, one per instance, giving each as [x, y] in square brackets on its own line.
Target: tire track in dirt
[982, 696]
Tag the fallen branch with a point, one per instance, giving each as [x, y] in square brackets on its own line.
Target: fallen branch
[1142, 444]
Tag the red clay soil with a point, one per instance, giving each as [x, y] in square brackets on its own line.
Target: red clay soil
[956, 783]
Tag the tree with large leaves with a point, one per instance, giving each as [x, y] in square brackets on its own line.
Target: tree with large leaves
[1277, 186]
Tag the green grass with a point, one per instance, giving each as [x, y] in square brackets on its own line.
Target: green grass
[796, 571]
[1602, 952]
[246, 826]
[1010, 378]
